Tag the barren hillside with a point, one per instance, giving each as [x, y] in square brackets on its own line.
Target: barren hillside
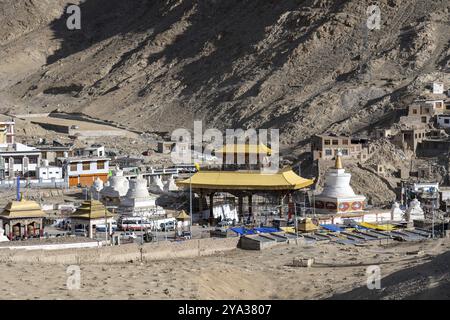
[301, 66]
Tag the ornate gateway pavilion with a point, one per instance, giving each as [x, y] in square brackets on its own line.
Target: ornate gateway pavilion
[23, 219]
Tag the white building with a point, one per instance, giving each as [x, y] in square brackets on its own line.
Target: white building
[49, 172]
[18, 160]
[92, 151]
[84, 170]
[443, 120]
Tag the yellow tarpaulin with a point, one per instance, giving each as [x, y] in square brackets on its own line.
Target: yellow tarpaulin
[381, 227]
[288, 229]
[246, 180]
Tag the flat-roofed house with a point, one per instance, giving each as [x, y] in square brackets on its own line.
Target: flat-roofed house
[326, 146]
[82, 171]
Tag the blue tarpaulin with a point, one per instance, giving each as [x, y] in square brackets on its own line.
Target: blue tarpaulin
[242, 231]
[331, 227]
[266, 229]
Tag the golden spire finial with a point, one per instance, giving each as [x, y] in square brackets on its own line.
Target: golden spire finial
[338, 163]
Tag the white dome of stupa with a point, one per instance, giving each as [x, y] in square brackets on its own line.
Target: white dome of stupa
[158, 182]
[3, 238]
[396, 212]
[138, 195]
[95, 189]
[116, 186]
[138, 200]
[414, 211]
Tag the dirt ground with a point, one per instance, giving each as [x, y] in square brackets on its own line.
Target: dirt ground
[339, 272]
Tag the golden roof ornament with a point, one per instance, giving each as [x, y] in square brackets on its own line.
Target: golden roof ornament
[338, 162]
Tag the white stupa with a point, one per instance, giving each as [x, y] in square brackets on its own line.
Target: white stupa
[3, 238]
[116, 186]
[414, 211]
[396, 212]
[138, 201]
[157, 182]
[96, 187]
[337, 195]
[171, 186]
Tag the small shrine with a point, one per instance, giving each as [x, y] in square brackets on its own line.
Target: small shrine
[91, 214]
[23, 219]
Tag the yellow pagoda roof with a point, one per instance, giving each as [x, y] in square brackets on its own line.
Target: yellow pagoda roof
[246, 180]
[183, 216]
[245, 148]
[23, 209]
[91, 209]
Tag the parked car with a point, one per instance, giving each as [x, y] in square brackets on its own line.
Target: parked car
[128, 235]
[225, 223]
[186, 235]
[80, 232]
[168, 226]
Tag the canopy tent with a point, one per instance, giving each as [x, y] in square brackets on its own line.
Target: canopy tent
[246, 180]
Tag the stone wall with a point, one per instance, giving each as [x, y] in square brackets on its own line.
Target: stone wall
[124, 253]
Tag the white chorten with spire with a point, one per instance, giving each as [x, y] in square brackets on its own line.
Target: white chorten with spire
[116, 186]
[337, 195]
[96, 187]
[138, 201]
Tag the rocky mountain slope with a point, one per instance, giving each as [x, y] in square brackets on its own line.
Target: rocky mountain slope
[301, 66]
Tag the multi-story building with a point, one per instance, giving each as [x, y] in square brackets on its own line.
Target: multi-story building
[16, 159]
[52, 152]
[93, 151]
[82, 171]
[409, 139]
[326, 146]
[7, 132]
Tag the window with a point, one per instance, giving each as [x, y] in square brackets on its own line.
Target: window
[86, 166]
[33, 160]
[17, 160]
[335, 142]
[327, 142]
[101, 165]
[446, 121]
[73, 167]
[345, 141]
[344, 152]
[414, 111]
[328, 152]
[59, 154]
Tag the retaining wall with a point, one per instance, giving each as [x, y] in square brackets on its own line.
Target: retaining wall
[124, 253]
